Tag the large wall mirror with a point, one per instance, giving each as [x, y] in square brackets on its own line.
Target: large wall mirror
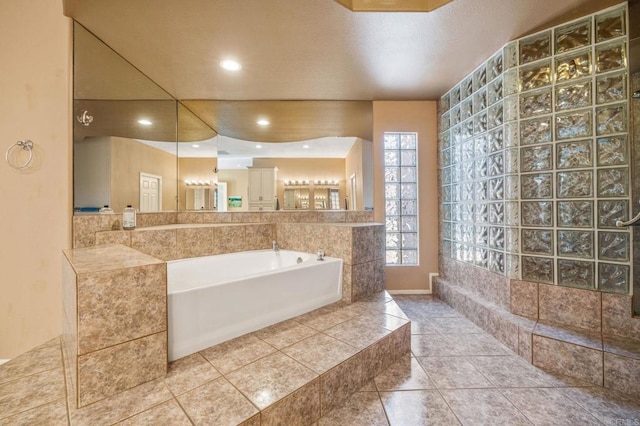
[135, 144]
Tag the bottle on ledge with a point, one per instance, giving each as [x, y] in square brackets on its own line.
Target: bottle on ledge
[129, 218]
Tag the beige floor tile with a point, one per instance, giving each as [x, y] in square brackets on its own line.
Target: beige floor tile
[454, 373]
[510, 371]
[236, 353]
[423, 326]
[51, 414]
[320, 352]
[478, 344]
[189, 372]
[168, 413]
[357, 332]
[483, 407]
[217, 403]
[390, 322]
[424, 407]
[549, 407]
[30, 392]
[362, 408]
[405, 374]
[455, 326]
[302, 407]
[432, 345]
[42, 358]
[607, 406]
[270, 379]
[285, 333]
[326, 317]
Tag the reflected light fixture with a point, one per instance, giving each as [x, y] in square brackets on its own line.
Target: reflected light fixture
[231, 65]
[195, 145]
[305, 146]
[263, 122]
[145, 122]
[258, 146]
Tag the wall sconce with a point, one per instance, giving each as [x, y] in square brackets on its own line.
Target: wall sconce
[189, 182]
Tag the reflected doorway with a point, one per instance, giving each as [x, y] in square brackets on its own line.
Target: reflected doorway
[150, 192]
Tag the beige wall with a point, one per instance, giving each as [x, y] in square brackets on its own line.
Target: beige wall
[128, 159]
[35, 217]
[420, 117]
[194, 169]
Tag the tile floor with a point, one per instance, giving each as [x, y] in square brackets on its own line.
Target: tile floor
[455, 374]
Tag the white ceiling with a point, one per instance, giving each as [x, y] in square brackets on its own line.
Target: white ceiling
[312, 49]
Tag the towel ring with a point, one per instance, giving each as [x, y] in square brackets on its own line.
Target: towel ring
[27, 145]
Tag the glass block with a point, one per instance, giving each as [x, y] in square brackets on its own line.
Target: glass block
[446, 249]
[392, 174]
[481, 145]
[467, 129]
[573, 66]
[571, 96]
[409, 257]
[495, 117]
[512, 135]
[446, 140]
[468, 150]
[573, 125]
[537, 213]
[512, 266]
[537, 241]
[480, 77]
[534, 131]
[575, 184]
[611, 56]
[481, 236]
[610, 25]
[496, 189]
[576, 273]
[479, 101]
[444, 103]
[612, 151]
[455, 116]
[466, 191]
[466, 109]
[496, 164]
[482, 190]
[446, 197]
[456, 251]
[610, 211]
[611, 119]
[613, 183]
[408, 158]
[482, 167]
[496, 140]
[510, 55]
[482, 213]
[466, 212]
[466, 87]
[510, 108]
[535, 103]
[496, 262]
[446, 212]
[480, 122]
[536, 158]
[613, 278]
[573, 36]
[467, 233]
[534, 76]
[391, 191]
[455, 193]
[537, 269]
[575, 244]
[391, 141]
[496, 238]
[496, 213]
[494, 66]
[392, 224]
[494, 91]
[408, 191]
[536, 186]
[573, 155]
[611, 88]
[408, 141]
[455, 96]
[444, 122]
[456, 232]
[511, 187]
[408, 174]
[392, 257]
[575, 214]
[409, 240]
[512, 240]
[391, 158]
[614, 246]
[535, 47]
[510, 82]
[511, 161]
[393, 240]
[482, 257]
[408, 207]
[511, 213]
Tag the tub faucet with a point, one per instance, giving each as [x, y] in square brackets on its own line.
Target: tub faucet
[320, 255]
[275, 246]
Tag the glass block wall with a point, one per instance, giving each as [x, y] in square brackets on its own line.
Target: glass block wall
[534, 158]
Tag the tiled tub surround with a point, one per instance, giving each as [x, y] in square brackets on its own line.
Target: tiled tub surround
[115, 320]
[291, 373]
[534, 158]
[359, 245]
[85, 226]
[585, 334]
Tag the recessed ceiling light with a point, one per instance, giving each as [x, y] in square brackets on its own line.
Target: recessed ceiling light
[263, 122]
[258, 146]
[231, 65]
[195, 145]
[305, 146]
[145, 122]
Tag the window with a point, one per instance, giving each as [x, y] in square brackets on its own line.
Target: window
[401, 198]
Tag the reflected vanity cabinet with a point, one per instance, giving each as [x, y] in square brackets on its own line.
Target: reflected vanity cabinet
[262, 188]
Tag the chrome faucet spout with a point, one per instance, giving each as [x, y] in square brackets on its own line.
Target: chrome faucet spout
[275, 246]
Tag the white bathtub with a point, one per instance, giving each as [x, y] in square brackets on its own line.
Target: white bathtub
[216, 298]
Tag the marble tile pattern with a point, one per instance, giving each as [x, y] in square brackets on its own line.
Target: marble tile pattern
[403, 392]
[571, 306]
[524, 298]
[568, 359]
